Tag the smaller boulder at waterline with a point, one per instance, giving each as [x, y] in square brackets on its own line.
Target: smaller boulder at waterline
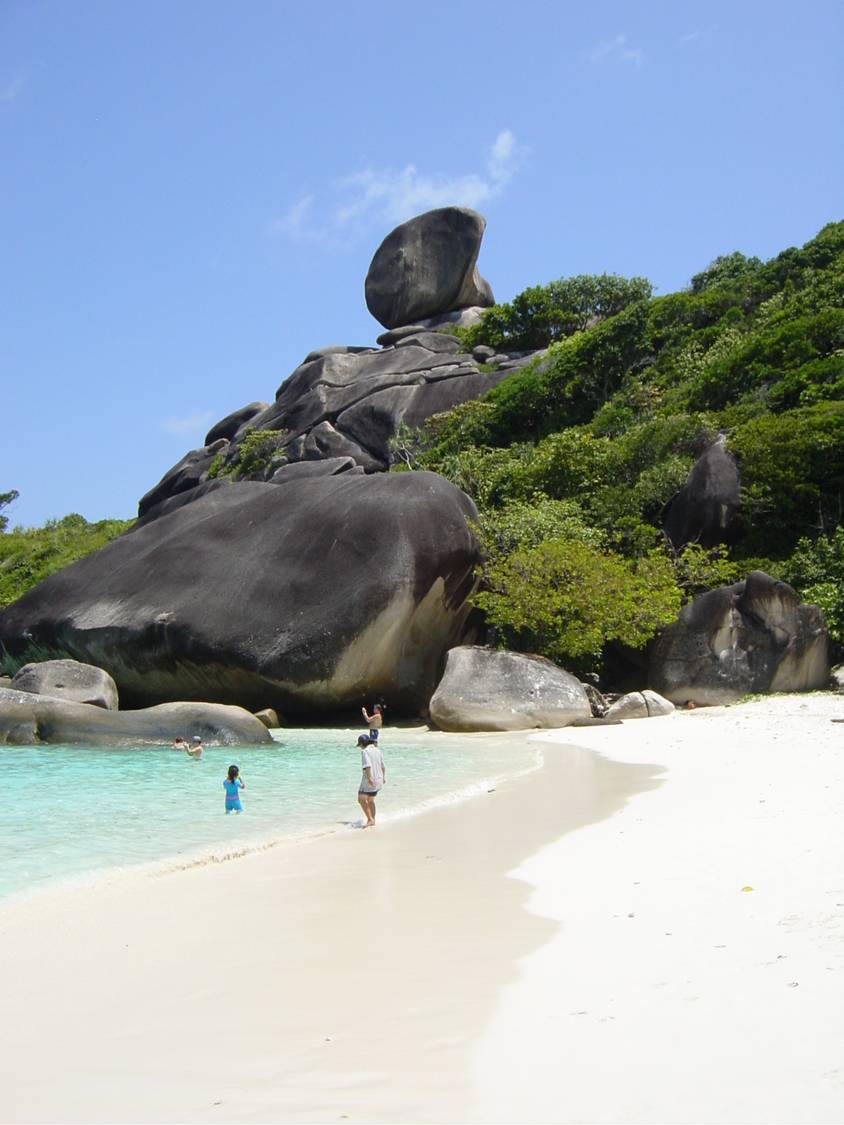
[639, 705]
[486, 690]
[26, 718]
[68, 679]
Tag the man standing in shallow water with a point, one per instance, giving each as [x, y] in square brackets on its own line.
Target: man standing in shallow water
[374, 774]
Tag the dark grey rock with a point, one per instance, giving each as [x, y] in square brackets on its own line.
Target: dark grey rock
[705, 509]
[483, 353]
[68, 679]
[336, 349]
[375, 419]
[174, 503]
[318, 410]
[482, 689]
[324, 441]
[431, 341]
[426, 267]
[26, 718]
[754, 636]
[393, 335]
[329, 467]
[308, 598]
[228, 426]
[185, 474]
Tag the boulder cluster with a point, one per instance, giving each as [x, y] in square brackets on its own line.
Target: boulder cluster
[340, 410]
[280, 567]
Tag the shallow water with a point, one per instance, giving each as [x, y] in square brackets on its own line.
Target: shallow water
[72, 811]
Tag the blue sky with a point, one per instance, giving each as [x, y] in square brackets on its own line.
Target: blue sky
[191, 191]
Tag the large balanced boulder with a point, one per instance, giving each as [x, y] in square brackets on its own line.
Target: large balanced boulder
[308, 598]
[754, 636]
[705, 509]
[68, 679]
[485, 690]
[28, 719]
[427, 266]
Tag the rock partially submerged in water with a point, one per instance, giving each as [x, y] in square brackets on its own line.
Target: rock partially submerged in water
[485, 690]
[27, 719]
[68, 679]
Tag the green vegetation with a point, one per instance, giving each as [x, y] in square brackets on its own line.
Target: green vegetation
[572, 458]
[6, 498]
[545, 313]
[27, 555]
[258, 451]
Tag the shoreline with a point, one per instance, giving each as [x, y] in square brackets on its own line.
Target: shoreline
[497, 960]
[385, 929]
[226, 851]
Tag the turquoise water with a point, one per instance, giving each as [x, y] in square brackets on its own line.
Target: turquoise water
[72, 812]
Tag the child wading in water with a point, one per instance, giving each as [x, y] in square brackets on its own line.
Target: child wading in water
[233, 785]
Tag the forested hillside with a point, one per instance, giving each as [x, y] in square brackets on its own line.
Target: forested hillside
[572, 459]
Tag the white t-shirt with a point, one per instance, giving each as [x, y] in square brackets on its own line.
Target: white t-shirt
[371, 756]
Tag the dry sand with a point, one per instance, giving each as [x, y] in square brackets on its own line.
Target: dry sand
[576, 946]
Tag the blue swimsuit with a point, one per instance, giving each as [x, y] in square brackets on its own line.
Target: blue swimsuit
[232, 789]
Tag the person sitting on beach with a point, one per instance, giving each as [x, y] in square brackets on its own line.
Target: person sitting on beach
[195, 748]
[375, 721]
[374, 775]
[232, 785]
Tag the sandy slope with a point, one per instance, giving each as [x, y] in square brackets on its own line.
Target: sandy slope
[395, 974]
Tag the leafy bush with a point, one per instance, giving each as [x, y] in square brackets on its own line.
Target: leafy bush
[816, 571]
[565, 599]
[256, 452]
[792, 467]
[545, 313]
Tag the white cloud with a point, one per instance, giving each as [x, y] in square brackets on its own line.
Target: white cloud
[189, 423]
[381, 196]
[617, 50]
[10, 91]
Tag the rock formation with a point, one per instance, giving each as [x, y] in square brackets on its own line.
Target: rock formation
[426, 267]
[344, 404]
[342, 408]
[29, 719]
[308, 597]
[484, 690]
[705, 509]
[68, 679]
[753, 636]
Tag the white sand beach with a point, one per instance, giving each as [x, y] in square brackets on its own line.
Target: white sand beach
[649, 928]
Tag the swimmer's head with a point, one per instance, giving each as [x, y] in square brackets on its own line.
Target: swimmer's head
[233, 772]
